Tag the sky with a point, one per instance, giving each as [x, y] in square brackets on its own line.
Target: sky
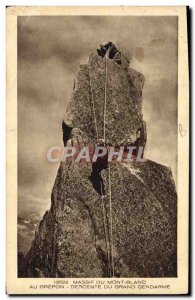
[50, 50]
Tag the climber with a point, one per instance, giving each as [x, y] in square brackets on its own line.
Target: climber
[113, 52]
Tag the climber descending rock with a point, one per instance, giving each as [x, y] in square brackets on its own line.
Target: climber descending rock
[112, 51]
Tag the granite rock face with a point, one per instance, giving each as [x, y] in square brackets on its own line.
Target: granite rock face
[74, 237]
[122, 87]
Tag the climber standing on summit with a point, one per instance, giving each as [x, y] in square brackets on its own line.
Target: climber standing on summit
[113, 52]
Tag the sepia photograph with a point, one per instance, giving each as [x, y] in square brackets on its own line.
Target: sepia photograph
[98, 150]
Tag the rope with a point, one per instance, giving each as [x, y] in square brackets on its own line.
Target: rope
[109, 177]
[105, 98]
[93, 104]
[111, 227]
[105, 230]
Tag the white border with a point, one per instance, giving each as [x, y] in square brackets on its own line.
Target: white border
[2, 102]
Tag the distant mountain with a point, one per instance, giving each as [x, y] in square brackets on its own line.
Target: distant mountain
[27, 224]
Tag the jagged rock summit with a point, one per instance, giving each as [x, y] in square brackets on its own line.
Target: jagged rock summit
[119, 221]
[107, 94]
